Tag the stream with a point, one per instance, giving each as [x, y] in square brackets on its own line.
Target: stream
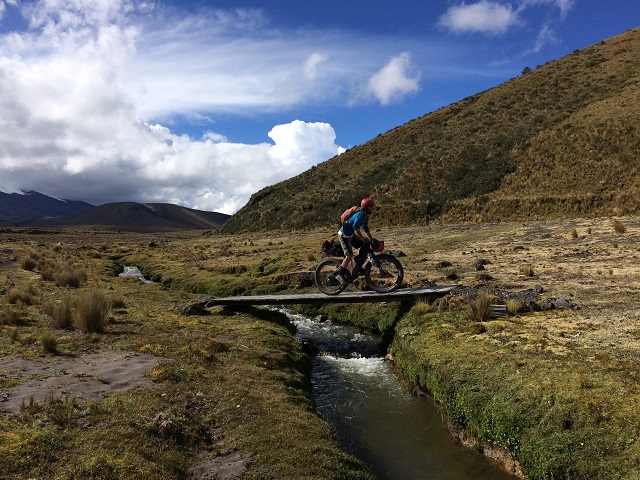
[399, 435]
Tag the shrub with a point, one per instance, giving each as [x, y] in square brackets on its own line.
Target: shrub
[92, 311]
[481, 308]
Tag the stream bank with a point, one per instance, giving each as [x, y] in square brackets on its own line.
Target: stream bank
[399, 435]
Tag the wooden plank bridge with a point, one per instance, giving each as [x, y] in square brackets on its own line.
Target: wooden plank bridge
[402, 294]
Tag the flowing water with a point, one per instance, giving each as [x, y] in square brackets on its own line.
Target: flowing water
[400, 436]
[130, 271]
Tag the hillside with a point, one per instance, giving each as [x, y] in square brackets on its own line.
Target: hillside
[563, 138]
[131, 216]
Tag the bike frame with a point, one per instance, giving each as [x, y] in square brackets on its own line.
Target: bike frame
[371, 258]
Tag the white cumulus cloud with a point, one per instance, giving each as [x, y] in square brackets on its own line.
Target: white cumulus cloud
[484, 16]
[393, 81]
[90, 92]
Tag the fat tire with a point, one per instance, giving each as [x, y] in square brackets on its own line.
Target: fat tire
[324, 268]
[393, 266]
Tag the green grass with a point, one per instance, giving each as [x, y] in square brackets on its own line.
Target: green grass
[545, 424]
[231, 383]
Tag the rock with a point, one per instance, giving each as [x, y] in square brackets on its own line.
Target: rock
[444, 264]
[563, 303]
[484, 277]
[219, 310]
[479, 264]
[195, 309]
[547, 304]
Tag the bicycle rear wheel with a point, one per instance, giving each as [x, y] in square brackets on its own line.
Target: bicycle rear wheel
[386, 279]
[325, 276]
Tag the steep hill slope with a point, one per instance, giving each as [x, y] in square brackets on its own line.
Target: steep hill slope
[133, 216]
[560, 139]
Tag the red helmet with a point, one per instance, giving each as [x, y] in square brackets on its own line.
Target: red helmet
[366, 203]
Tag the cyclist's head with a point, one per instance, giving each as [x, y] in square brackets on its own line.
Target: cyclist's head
[367, 205]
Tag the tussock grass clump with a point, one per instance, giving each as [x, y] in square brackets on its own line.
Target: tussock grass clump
[70, 277]
[92, 311]
[526, 270]
[421, 308]
[118, 302]
[619, 227]
[16, 315]
[29, 264]
[49, 342]
[481, 308]
[514, 306]
[26, 297]
[61, 313]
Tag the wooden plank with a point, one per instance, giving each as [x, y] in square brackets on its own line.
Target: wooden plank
[427, 293]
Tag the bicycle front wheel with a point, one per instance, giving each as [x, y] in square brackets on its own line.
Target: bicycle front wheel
[325, 277]
[388, 277]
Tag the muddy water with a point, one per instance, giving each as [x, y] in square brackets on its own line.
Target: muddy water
[400, 436]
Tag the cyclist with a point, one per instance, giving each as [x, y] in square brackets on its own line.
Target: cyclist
[350, 231]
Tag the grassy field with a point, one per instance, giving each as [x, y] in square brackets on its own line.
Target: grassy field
[557, 389]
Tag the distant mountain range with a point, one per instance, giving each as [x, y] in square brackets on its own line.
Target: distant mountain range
[18, 208]
[34, 209]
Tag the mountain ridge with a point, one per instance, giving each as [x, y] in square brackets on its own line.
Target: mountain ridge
[18, 207]
[34, 209]
[132, 216]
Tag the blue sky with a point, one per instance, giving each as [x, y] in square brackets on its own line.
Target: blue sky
[203, 103]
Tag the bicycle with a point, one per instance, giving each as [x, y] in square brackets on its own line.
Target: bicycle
[383, 273]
